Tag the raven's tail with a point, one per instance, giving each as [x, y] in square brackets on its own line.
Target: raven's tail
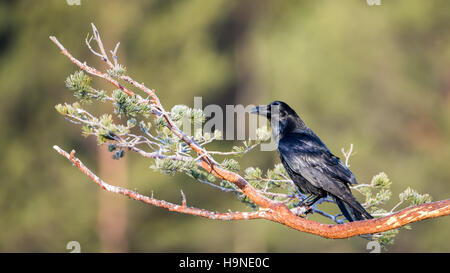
[352, 210]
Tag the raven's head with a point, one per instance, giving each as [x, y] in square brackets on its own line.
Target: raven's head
[283, 118]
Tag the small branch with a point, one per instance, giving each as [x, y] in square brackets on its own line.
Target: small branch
[100, 46]
[91, 70]
[114, 54]
[396, 206]
[183, 198]
[248, 149]
[347, 154]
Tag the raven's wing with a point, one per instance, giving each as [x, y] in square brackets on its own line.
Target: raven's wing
[306, 155]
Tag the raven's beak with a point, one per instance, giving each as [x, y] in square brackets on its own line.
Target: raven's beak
[260, 110]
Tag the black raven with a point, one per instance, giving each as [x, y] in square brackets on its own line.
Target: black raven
[309, 163]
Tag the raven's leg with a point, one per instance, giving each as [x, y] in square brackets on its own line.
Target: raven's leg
[307, 200]
[300, 208]
[311, 202]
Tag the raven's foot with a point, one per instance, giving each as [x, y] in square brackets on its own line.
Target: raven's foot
[309, 209]
[300, 211]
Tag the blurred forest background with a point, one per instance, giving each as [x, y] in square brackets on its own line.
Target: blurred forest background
[374, 76]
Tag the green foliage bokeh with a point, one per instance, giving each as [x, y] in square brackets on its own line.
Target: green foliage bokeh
[377, 77]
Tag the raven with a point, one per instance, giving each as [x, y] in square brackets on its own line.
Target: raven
[309, 163]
